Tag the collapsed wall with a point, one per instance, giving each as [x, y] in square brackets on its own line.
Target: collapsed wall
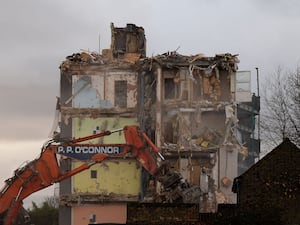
[189, 111]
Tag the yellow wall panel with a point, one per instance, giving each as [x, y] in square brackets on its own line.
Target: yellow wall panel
[113, 176]
[87, 126]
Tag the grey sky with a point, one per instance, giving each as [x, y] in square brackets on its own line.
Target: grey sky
[36, 36]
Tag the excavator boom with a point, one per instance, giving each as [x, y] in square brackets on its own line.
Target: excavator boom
[45, 171]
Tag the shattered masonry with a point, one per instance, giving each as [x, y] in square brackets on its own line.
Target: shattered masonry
[186, 104]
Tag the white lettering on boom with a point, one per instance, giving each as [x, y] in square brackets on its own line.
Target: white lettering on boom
[89, 149]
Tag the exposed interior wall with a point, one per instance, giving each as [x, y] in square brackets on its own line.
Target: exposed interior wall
[119, 177]
[130, 39]
[99, 90]
[88, 92]
[131, 87]
[88, 126]
[193, 99]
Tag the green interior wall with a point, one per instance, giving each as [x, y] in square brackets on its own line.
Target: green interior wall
[118, 177]
[85, 126]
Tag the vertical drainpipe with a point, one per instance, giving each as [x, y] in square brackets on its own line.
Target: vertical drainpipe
[158, 106]
[235, 107]
[158, 112]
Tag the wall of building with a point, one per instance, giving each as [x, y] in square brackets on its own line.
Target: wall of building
[99, 90]
[99, 214]
[112, 177]
[98, 100]
[228, 171]
[87, 126]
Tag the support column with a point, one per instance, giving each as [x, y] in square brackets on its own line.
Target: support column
[158, 124]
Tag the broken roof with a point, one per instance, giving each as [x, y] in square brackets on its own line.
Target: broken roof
[225, 61]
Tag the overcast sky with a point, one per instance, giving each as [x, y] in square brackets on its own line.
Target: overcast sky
[36, 36]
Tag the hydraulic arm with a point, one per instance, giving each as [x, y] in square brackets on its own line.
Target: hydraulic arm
[45, 171]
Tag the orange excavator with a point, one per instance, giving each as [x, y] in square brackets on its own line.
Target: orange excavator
[45, 170]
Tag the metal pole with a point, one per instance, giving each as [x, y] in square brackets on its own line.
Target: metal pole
[257, 80]
[99, 44]
[116, 130]
[258, 117]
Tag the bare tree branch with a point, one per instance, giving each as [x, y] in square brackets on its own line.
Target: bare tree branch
[281, 107]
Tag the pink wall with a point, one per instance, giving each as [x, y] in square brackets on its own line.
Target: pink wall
[107, 213]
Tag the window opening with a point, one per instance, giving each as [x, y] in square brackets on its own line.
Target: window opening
[121, 93]
[93, 174]
[170, 88]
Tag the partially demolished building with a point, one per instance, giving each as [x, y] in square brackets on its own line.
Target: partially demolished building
[186, 104]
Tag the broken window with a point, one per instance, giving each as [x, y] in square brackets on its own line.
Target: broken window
[170, 134]
[185, 92]
[121, 93]
[184, 83]
[171, 89]
[197, 87]
[93, 218]
[93, 174]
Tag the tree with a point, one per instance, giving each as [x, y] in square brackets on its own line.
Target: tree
[294, 95]
[280, 116]
[46, 214]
